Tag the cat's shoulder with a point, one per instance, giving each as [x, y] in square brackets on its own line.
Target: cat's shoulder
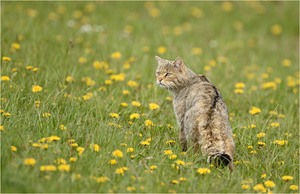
[203, 78]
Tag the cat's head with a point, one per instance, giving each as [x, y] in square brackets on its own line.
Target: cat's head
[171, 74]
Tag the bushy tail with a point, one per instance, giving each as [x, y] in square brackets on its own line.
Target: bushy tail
[221, 160]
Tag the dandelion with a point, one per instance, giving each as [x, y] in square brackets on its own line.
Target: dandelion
[170, 142]
[153, 167]
[64, 168]
[196, 12]
[1, 128]
[80, 150]
[269, 85]
[294, 187]
[145, 143]
[46, 115]
[112, 162]
[168, 152]
[73, 159]
[117, 154]
[100, 65]
[172, 156]
[118, 77]
[260, 135]
[125, 92]
[29, 161]
[135, 103]
[227, 6]
[276, 29]
[114, 115]
[116, 55]
[154, 12]
[280, 142]
[48, 168]
[148, 123]
[261, 144]
[13, 148]
[120, 171]
[175, 182]
[286, 62]
[61, 161]
[95, 147]
[287, 178]
[134, 116]
[102, 179]
[69, 79]
[130, 150]
[254, 110]
[82, 60]
[124, 104]
[245, 186]
[62, 127]
[180, 162]
[203, 171]
[153, 106]
[274, 124]
[238, 91]
[132, 84]
[269, 184]
[6, 58]
[5, 78]
[260, 188]
[36, 89]
[108, 82]
[161, 50]
[263, 176]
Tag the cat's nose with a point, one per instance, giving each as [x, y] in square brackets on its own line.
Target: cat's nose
[159, 80]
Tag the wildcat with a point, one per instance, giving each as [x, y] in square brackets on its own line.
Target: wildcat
[200, 111]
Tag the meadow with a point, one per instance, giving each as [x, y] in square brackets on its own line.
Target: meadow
[80, 111]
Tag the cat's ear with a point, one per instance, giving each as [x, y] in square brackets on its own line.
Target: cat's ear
[158, 59]
[178, 63]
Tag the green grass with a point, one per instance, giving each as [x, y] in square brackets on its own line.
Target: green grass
[242, 45]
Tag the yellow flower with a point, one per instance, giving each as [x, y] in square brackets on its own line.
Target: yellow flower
[82, 60]
[245, 186]
[274, 124]
[269, 184]
[161, 50]
[153, 106]
[132, 84]
[118, 77]
[46, 115]
[294, 187]
[29, 161]
[149, 123]
[260, 135]
[175, 182]
[269, 85]
[262, 144]
[87, 96]
[100, 65]
[36, 89]
[47, 168]
[280, 142]
[108, 82]
[73, 159]
[116, 55]
[117, 154]
[168, 152]
[227, 6]
[172, 156]
[170, 142]
[263, 176]
[260, 188]
[180, 162]
[80, 150]
[240, 85]
[62, 127]
[154, 12]
[254, 110]
[203, 171]
[102, 179]
[130, 189]
[136, 103]
[124, 104]
[5, 78]
[64, 167]
[13, 148]
[145, 143]
[286, 62]
[134, 116]
[121, 170]
[69, 79]
[276, 29]
[125, 92]
[112, 162]
[114, 115]
[196, 51]
[130, 150]
[95, 147]
[238, 91]
[61, 161]
[153, 167]
[6, 58]
[287, 178]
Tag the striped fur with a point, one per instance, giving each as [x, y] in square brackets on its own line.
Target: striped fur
[200, 111]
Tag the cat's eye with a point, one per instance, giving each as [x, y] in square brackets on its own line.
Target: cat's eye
[168, 74]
